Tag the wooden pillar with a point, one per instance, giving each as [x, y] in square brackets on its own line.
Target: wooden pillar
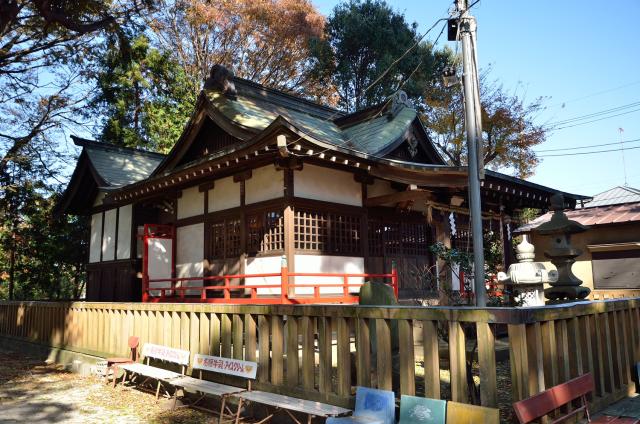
[289, 228]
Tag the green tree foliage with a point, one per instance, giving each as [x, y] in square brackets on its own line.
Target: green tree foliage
[40, 257]
[362, 40]
[143, 100]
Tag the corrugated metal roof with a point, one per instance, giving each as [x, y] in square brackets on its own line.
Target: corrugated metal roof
[615, 196]
[612, 214]
[120, 166]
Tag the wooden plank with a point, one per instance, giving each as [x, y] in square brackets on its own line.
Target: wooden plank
[575, 341]
[225, 335]
[519, 361]
[277, 344]
[634, 319]
[383, 355]
[487, 365]
[535, 369]
[185, 330]
[458, 363]
[587, 342]
[344, 357]
[251, 338]
[175, 329]
[431, 359]
[263, 348]
[563, 350]
[607, 340]
[407, 358]
[325, 367]
[308, 354]
[617, 349]
[598, 339]
[623, 348]
[293, 366]
[215, 334]
[238, 337]
[205, 332]
[194, 338]
[363, 353]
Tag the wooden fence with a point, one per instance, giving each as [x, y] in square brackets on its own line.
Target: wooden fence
[333, 343]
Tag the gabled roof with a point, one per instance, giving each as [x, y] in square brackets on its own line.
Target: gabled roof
[254, 108]
[103, 166]
[119, 166]
[615, 196]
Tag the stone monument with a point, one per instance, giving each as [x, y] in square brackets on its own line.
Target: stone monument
[567, 287]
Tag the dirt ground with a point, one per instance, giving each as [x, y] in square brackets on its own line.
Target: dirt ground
[35, 392]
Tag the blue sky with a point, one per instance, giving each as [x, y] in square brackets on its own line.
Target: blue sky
[572, 51]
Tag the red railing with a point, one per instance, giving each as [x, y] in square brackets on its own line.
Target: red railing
[287, 295]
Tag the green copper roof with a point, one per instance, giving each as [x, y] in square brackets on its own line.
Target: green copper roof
[119, 166]
[255, 109]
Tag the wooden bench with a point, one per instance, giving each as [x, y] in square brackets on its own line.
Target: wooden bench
[162, 353]
[286, 404]
[544, 403]
[234, 367]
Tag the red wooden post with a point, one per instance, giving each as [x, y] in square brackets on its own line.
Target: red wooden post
[284, 280]
[345, 286]
[145, 264]
[394, 278]
[227, 294]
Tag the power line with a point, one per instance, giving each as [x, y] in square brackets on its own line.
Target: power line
[594, 114]
[594, 120]
[597, 93]
[588, 153]
[587, 147]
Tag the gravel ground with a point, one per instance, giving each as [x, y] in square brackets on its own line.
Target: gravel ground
[35, 392]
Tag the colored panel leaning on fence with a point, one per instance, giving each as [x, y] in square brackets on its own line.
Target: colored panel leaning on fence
[165, 353]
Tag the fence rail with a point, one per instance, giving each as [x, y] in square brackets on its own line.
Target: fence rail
[322, 351]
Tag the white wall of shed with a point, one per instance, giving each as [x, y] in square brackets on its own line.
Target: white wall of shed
[190, 254]
[95, 242]
[328, 265]
[264, 265]
[326, 184]
[191, 203]
[266, 183]
[123, 250]
[159, 257]
[224, 195]
[109, 236]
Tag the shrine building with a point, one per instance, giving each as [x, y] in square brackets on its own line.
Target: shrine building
[261, 181]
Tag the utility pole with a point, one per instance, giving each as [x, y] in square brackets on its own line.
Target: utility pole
[473, 124]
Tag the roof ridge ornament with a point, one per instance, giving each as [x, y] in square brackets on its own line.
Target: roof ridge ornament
[221, 79]
[398, 100]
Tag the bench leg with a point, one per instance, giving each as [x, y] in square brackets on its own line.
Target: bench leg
[224, 401]
[238, 412]
[124, 377]
[158, 390]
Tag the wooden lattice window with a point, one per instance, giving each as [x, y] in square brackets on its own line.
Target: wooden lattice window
[225, 239]
[327, 232]
[397, 238]
[265, 232]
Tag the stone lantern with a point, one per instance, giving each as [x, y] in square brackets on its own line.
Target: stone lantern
[567, 287]
[527, 278]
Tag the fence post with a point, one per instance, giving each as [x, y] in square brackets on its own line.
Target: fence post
[394, 278]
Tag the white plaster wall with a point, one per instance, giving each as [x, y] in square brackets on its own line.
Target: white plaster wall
[265, 183]
[95, 242]
[160, 253]
[328, 265]
[99, 198]
[224, 195]
[191, 203]
[109, 236]
[330, 185]
[123, 250]
[379, 188]
[264, 265]
[190, 254]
